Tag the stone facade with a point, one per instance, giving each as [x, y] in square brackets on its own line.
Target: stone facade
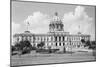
[56, 37]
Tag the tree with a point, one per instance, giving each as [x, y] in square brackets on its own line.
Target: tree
[83, 42]
[18, 46]
[93, 45]
[41, 45]
[88, 43]
[13, 48]
[49, 47]
[64, 49]
[23, 45]
[27, 44]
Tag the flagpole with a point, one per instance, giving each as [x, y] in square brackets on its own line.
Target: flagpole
[79, 32]
[79, 28]
[27, 26]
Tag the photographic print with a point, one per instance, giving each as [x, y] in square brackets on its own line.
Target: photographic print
[52, 33]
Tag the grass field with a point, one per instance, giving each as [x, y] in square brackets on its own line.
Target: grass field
[36, 58]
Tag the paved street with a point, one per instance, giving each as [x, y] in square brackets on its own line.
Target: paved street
[35, 58]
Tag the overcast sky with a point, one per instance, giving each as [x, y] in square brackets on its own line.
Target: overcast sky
[38, 15]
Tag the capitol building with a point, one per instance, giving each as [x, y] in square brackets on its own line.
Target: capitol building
[56, 38]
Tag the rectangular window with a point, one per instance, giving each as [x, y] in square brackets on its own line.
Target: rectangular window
[63, 44]
[59, 44]
[63, 39]
[56, 44]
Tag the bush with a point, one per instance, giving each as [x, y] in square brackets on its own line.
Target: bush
[13, 48]
[24, 47]
[41, 45]
[33, 48]
[46, 50]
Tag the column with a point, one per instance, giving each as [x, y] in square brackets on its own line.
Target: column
[35, 44]
[42, 38]
[61, 43]
[36, 38]
[57, 38]
[19, 38]
[45, 38]
[28, 38]
[39, 38]
[61, 38]
[31, 39]
[66, 38]
[52, 38]
[22, 38]
[58, 44]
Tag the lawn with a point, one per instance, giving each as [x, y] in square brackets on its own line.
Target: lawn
[37, 58]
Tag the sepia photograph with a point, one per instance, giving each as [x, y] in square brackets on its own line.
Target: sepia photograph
[51, 33]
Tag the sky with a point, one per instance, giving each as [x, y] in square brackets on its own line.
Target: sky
[39, 14]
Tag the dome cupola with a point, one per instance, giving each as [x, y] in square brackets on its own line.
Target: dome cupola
[56, 24]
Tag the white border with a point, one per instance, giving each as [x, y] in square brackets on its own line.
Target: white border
[5, 33]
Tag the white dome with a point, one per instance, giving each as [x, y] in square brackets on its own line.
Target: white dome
[56, 18]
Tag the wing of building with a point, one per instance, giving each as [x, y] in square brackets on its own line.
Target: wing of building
[56, 37]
